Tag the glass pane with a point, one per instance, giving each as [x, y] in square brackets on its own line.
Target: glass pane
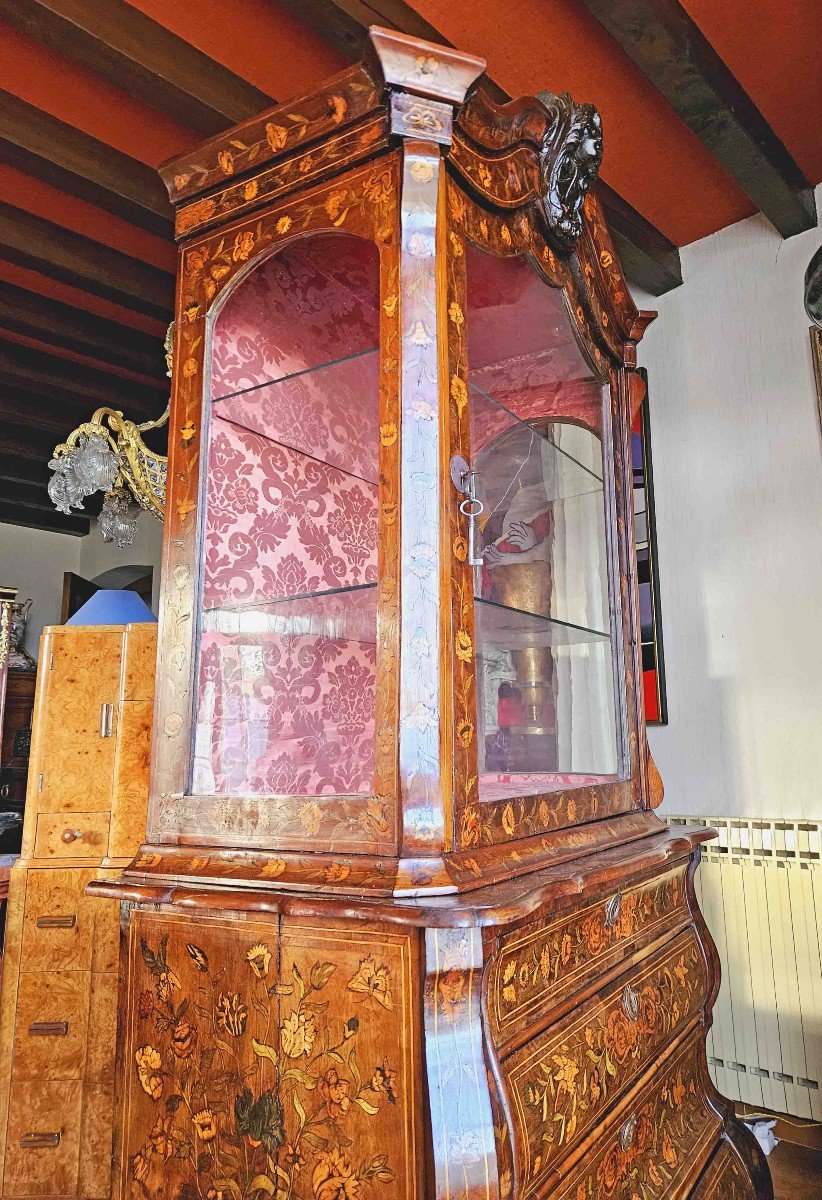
[545, 660]
[287, 652]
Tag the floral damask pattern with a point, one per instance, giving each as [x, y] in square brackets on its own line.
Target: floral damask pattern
[285, 715]
[578, 1070]
[247, 1085]
[287, 691]
[280, 524]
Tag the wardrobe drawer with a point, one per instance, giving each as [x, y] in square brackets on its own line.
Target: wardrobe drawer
[724, 1179]
[655, 1145]
[102, 1028]
[51, 1027]
[72, 835]
[58, 920]
[564, 1081]
[542, 964]
[43, 1141]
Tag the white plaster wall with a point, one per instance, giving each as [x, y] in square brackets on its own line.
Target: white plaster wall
[738, 481]
[33, 561]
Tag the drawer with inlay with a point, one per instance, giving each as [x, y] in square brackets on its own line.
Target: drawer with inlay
[51, 1025]
[540, 966]
[655, 1145]
[724, 1178]
[72, 835]
[566, 1079]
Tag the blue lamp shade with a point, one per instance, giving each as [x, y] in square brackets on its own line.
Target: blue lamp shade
[108, 607]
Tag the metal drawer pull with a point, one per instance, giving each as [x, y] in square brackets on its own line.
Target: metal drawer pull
[627, 1133]
[612, 910]
[106, 720]
[49, 1029]
[40, 1141]
[56, 922]
[71, 835]
[630, 1003]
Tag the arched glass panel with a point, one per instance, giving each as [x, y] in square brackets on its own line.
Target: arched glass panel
[286, 672]
[546, 695]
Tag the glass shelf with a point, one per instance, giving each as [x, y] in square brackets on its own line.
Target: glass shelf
[495, 426]
[498, 626]
[347, 613]
[328, 413]
[339, 368]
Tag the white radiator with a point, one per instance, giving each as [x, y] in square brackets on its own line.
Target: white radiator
[760, 888]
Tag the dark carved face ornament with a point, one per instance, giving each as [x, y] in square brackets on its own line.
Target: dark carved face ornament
[570, 158]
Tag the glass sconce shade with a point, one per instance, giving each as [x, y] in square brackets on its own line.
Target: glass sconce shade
[118, 519]
[95, 464]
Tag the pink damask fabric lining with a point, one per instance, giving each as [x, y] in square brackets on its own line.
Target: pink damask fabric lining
[291, 508]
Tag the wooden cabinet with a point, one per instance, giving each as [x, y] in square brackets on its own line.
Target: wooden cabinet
[405, 923]
[84, 816]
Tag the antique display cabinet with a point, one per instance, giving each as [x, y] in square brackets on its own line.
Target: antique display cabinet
[405, 924]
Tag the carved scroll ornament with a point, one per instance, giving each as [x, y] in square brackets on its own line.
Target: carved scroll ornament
[570, 157]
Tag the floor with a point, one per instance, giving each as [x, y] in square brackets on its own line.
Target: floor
[796, 1171]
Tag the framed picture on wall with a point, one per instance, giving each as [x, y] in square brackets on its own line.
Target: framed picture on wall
[653, 660]
[816, 351]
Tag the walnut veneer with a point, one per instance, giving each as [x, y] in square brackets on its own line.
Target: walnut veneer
[84, 817]
[421, 935]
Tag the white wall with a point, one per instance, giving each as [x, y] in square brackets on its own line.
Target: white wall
[738, 480]
[34, 561]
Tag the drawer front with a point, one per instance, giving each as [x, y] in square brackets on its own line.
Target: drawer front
[72, 835]
[566, 1079]
[657, 1144]
[724, 1179]
[43, 1141]
[102, 1028]
[51, 1027]
[58, 922]
[96, 1139]
[540, 965]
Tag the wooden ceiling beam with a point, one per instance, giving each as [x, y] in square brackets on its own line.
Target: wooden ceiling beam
[125, 47]
[23, 442]
[26, 410]
[647, 256]
[66, 158]
[59, 253]
[76, 329]
[665, 43]
[16, 512]
[14, 469]
[50, 376]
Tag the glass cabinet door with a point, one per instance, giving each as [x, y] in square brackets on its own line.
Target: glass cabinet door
[286, 673]
[544, 633]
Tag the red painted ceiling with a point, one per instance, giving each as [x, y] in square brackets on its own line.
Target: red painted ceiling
[651, 157]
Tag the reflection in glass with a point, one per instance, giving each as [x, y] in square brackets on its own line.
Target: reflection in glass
[546, 695]
[287, 650]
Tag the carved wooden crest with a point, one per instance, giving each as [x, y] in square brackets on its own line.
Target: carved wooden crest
[570, 157]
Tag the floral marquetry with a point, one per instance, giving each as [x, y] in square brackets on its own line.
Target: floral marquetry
[404, 924]
[253, 1074]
